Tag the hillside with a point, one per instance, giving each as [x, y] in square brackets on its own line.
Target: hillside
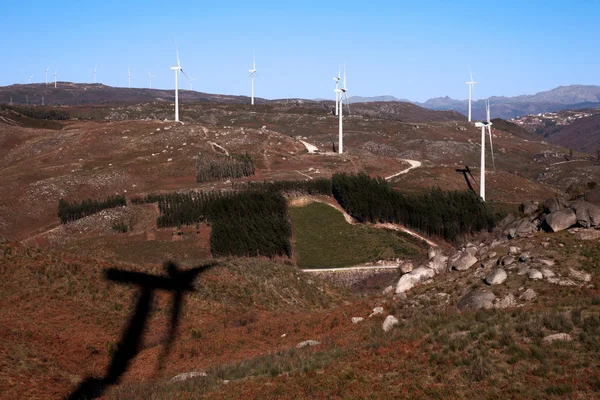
[582, 135]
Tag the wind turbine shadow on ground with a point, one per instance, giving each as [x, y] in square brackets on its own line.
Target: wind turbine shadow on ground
[178, 282]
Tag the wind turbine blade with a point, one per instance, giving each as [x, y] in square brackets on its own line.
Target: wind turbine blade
[470, 73]
[344, 76]
[186, 75]
[491, 145]
[177, 51]
[347, 102]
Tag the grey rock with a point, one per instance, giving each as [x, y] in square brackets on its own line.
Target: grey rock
[553, 204]
[413, 278]
[472, 250]
[594, 196]
[431, 252]
[406, 267]
[376, 311]
[489, 263]
[548, 273]
[356, 320]
[307, 343]
[506, 260]
[506, 302]
[558, 336]
[529, 207]
[523, 270]
[439, 263]
[535, 274]
[580, 275]
[546, 261]
[389, 322]
[464, 262]
[514, 250]
[520, 228]
[528, 295]
[586, 212]
[388, 290]
[560, 220]
[476, 299]
[525, 256]
[492, 254]
[188, 375]
[561, 282]
[497, 277]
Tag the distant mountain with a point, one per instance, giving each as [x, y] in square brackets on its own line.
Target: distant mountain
[582, 135]
[385, 98]
[560, 98]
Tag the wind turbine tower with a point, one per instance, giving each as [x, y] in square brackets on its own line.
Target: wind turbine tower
[342, 94]
[129, 76]
[177, 69]
[337, 81]
[95, 70]
[252, 73]
[55, 78]
[46, 71]
[191, 82]
[483, 125]
[470, 83]
[31, 76]
[151, 76]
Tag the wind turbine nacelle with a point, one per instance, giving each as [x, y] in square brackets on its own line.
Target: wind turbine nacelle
[338, 91]
[176, 68]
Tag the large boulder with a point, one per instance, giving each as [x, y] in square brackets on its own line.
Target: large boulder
[439, 263]
[496, 277]
[520, 228]
[560, 220]
[594, 196]
[416, 276]
[553, 204]
[588, 214]
[529, 207]
[463, 263]
[389, 323]
[476, 299]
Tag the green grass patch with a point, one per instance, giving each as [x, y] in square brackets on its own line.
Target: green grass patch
[323, 239]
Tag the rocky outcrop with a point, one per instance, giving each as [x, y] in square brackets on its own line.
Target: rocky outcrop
[476, 299]
[560, 220]
[588, 214]
[416, 276]
[594, 196]
[528, 295]
[520, 228]
[529, 207]
[565, 337]
[188, 375]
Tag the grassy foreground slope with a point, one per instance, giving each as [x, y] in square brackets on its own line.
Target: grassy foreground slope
[323, 239]
[60, 320]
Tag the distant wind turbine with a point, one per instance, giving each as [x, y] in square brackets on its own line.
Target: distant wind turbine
[129, 76]
[470, 83]
[46, 71]
[31, 76]
[252, 73]
[191, 82]
[55, 74]
[95, 70]
[177, 69]
[337, 81]
[483, 125]
[151, 76]
[342, 93]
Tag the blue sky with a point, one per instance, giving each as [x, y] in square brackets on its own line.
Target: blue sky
[409, 49]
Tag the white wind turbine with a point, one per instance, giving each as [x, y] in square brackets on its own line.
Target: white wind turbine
[129, 76]
[177, 69]
[191, 82]
[337, 81]
[95, 70]
[31, 76]
[252, 73]
[151, 76]
[55, 74]
[342, 94]
[483, 125]
[470, 83]
[46, 71]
